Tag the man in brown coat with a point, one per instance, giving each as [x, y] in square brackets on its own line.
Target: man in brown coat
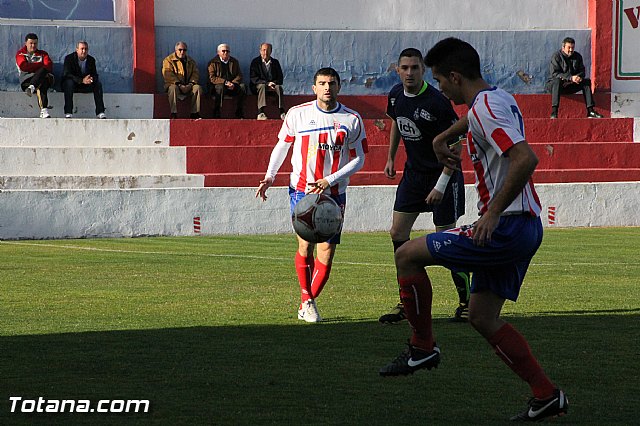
[225, 79]
[181, 76]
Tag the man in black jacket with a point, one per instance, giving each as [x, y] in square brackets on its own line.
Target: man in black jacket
[568, 76]
[80, 75]
[266, 77]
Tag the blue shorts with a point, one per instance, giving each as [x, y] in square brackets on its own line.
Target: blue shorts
[500, 265]
[341, 199]
[414, 187]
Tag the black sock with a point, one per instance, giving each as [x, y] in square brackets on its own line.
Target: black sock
[398, 244]
[462, 281]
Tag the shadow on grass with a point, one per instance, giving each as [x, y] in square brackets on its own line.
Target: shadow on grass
[321, 373]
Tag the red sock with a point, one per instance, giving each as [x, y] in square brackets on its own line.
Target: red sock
[304, 266]
[514, 351]
[319, 278]
[416, 294]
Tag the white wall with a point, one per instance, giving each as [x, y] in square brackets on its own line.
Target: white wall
[625, 77]
[128, 213]
[419, 15]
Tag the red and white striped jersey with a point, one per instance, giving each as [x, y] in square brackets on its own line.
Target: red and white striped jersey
[323, 144]
[495, 125]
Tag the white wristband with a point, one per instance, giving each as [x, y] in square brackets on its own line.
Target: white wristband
[441, 185]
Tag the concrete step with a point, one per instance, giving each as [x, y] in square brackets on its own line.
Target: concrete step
[251, 132]
[118, 105]
[587, 175]
[23, 182]
[375, 106]
[135, 105]
[377, 178]
[103, 213]
[237, 133]
[84, 132]
[92, 161]
[625, 104]
[579, 130]
[571, 106]
[367, 106]
[582, 155]
[216, 159]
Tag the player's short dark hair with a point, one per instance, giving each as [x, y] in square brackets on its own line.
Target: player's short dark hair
[327, 71]
[410, 52]
[453, 54]
[568, 40]
[30, 36]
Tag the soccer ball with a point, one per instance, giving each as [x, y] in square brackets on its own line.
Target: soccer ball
[316, 218]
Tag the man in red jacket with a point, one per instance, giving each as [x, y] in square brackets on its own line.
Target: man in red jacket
[35, 72]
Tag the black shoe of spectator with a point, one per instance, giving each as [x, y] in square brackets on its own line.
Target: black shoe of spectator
[174, 115]
[195, 116]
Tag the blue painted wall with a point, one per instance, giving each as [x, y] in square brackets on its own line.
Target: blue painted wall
[365, 59]
[88, 10]
[111, 46]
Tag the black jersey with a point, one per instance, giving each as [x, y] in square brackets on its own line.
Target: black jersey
[420, 118]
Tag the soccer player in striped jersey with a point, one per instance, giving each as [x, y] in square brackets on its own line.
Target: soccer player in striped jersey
[329, 145]
[498, 247]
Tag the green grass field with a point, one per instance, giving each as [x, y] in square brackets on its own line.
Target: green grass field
[205, 328]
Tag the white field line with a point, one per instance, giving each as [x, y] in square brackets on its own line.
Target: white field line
[172, 253]
[286, 259]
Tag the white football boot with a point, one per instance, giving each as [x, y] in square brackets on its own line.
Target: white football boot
[309, 312]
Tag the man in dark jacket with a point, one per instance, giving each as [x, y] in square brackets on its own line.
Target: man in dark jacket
[266, 77]
[568, 76]
[225, 79]
[79, 75]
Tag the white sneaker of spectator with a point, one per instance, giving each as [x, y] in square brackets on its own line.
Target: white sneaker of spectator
[30, 90]
[44, 113]
[68, 116]
[102, 116]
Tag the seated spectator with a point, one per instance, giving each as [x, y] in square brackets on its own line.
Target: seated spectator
[266, 77]
[181, 78]
[568, 76]
[225, 79]
[79, 75]
[35, 72]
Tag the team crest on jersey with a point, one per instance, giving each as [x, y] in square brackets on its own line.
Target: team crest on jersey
[393, 101]
[424, 114]
[312, 123]
[336, 126]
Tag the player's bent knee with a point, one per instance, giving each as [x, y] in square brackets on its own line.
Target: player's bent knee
[398, 234]
[407, 259]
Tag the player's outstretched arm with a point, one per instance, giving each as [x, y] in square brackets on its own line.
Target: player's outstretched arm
[437, 193]
[394, 142]
[278, 156]
[262, 189]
